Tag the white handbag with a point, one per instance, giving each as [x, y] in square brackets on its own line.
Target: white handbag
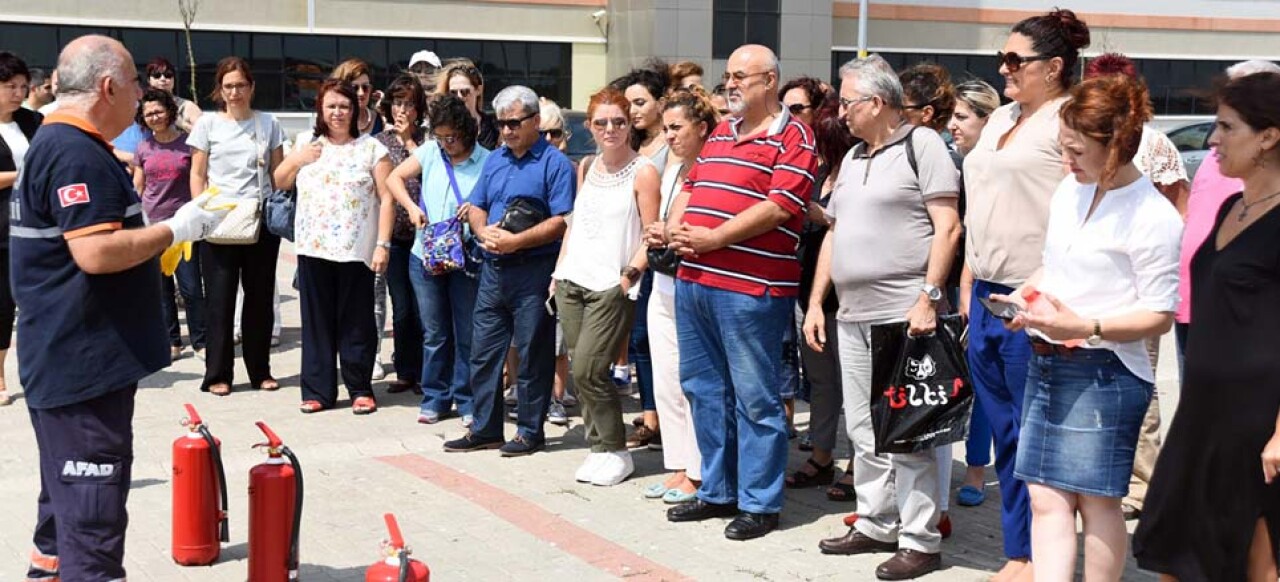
[244, 222]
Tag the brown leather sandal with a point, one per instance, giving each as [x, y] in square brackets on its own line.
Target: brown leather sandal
[822, 475]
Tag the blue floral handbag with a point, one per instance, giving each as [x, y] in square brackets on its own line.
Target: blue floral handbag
[444, 243]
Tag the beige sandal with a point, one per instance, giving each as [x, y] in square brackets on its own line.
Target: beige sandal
[5, 398]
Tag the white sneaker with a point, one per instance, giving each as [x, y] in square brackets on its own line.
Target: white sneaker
[556, 414]
[615, 467]
[509, 398]
[587, 471]
[378, 371]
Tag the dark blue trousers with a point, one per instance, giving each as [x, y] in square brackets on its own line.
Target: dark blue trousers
[998, 363]
[638, 345]
[511, 304]
[86, 457]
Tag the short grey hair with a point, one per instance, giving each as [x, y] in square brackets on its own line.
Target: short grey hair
[507, 98]
[1246, 68]
[82, 65]
[873, 76]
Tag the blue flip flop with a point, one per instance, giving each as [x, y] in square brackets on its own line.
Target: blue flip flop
[676, 496]
[655, 491]
[971, 496]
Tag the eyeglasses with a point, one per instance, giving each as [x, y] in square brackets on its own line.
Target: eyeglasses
[796, 108]
[15, 88]
[162, 74]
[1014, 61]
[446, 139]
[739, 76]
[847, 103]
[233, 87]
[362, 87]
[552, 133]
[154, 114]
[604, 124]
[461, 93]
[513, 124]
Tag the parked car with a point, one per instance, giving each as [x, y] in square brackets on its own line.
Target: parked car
[1192, 141]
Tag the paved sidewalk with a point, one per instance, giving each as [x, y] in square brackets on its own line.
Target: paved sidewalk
[469, 516]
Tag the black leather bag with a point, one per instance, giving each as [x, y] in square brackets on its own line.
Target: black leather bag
[664, 260]
[523, 213]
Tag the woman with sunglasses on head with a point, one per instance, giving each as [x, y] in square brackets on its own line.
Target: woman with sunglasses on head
[597, 277]
[1213, 509]
[162, 177]
[553, 127]
[237, 149]
[975, 100]
[446, 301]
[1009, 178]
[463, 80]
[687, 119]
[342, 233]
[405, 109]
[161, 75]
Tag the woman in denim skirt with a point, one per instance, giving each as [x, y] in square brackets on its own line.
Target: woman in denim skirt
[1109, 280]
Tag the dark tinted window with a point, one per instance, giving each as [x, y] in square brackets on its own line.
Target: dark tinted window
[739, 22]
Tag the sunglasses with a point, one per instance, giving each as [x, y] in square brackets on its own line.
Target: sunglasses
[1014, 61]
[362, 87]
[513, 124]
[162, 74]
[796, 108]
[618, 122]
[461, 93]
[552, 133]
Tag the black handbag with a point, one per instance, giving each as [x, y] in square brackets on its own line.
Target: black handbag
[523, 213]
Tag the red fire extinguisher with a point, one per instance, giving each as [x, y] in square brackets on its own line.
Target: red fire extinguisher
[275, 512]
[395, 565]
[199, 495]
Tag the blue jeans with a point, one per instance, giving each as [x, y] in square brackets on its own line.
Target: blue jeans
[510, 304]
[729, 345]
[638, 345]
[998, 365]
[191, 286]
[406, 325]
[444, 307]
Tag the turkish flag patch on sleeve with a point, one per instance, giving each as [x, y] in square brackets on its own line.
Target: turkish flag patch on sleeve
[73, 194]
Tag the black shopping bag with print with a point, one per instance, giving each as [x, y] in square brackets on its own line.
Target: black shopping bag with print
[921, 396]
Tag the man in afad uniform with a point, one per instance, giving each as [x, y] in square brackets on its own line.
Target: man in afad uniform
[86, 280]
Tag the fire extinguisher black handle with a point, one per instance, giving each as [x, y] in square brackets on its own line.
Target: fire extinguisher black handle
[297, 509]
[224, 523]
[404, 565]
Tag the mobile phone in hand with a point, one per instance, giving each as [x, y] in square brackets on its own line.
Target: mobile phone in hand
[1001, 309]
[551, 306]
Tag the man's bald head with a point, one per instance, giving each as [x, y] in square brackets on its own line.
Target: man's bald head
[86, 60]
[755, 57]
[751, 77]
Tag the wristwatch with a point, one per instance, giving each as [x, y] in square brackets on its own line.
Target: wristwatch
[631, 273]
[386, 244]
[1095, 339]
[933, 293]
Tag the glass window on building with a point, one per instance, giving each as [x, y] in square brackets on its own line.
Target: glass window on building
[739, 22]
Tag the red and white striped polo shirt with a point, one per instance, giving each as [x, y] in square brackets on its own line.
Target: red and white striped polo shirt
[733, 174]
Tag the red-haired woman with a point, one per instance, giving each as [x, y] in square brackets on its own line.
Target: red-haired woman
[1213, 510]
[597, 274]
[1109, 280]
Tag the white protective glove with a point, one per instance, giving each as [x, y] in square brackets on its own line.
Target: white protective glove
[193, 222]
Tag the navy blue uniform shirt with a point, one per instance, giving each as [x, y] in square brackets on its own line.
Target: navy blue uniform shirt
[79, 335]
[543, 173]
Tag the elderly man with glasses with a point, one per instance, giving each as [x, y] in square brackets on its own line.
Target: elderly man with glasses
[737, 226]
[518, 210]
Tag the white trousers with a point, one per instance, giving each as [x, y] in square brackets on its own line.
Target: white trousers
[679, 445]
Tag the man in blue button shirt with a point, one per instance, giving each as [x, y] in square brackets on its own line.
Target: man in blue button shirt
[516, 275]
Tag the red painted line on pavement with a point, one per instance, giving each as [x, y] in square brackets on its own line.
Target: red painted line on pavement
[549, 527]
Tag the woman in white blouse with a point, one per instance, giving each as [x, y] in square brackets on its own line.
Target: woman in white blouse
[597, 277]
[1109, 280]
[342, 236]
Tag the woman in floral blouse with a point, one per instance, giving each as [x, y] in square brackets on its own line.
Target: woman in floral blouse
[342, 237]
[404, 108]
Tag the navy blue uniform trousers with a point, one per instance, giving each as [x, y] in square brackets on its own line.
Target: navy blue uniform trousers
[86, 457]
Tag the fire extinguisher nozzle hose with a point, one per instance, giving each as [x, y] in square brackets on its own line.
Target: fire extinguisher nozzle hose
[297, 508]
[224, 525]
